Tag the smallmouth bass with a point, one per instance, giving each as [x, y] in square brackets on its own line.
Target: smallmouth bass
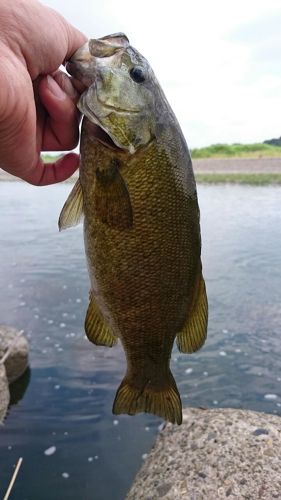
[137, 192]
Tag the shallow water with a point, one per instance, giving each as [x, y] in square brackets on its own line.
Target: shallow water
[65, 401]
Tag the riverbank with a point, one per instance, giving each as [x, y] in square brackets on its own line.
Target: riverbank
[254, 171]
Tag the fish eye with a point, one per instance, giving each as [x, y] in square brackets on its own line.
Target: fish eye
[137, 74]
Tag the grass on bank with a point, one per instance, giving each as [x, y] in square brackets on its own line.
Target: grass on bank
[258, 150]
[50, 158]
[250, 179]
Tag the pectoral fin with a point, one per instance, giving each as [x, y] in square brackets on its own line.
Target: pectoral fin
[72, 211]
[112, 199]
[95, 327]
[194, 332]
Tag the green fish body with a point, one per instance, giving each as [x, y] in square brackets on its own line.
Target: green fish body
[141, 225]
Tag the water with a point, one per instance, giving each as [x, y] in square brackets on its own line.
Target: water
[63, 405]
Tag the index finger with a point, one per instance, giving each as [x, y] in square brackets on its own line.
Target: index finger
[50, 173]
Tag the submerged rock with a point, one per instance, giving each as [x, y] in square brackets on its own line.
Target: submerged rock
[218, 453]
[17, 361]
[13, 363]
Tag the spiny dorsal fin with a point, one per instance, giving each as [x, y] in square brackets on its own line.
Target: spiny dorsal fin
[194, 332]
[72, 211]
[96, 329]
[112, 199]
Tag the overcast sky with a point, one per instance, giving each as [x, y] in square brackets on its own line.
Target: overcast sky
[219, 61]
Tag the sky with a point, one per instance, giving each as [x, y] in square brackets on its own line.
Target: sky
[218, 62]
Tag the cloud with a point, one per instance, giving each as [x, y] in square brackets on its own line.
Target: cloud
[261, 37]
[259, 30]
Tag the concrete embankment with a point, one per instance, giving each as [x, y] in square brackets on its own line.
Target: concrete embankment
[216, 453]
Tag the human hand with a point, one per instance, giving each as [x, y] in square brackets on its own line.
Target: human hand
[37, 101]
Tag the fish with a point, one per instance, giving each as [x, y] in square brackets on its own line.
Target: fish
[137, 196]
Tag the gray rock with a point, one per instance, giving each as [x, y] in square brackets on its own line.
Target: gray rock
[218, 453]
[4, 393]
[17, 361]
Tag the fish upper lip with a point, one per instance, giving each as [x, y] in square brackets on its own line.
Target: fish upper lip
[115, 108]
[75, 68]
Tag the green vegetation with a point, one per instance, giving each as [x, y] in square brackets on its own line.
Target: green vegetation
[252, 179]
[50, 158]
[258, 150]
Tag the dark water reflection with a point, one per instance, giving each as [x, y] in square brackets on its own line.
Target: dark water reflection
[67, 405]
[19, 387]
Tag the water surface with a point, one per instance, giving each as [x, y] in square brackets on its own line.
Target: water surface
[71, 386]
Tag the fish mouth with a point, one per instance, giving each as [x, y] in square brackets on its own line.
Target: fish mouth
[84, 67]
[97, 132]
[101, 135]
[81, 65]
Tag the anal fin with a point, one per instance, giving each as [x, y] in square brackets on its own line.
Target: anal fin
[194, 332]
[96, 329]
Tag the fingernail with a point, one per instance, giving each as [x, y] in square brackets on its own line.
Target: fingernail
[55, 88]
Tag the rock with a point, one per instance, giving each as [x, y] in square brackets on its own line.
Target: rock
[13, 366]
[218, 453]
[17, 361]
[4, 393]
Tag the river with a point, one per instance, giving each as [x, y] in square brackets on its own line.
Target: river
[60, 421]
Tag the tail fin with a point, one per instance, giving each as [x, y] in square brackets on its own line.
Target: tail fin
[164, 402]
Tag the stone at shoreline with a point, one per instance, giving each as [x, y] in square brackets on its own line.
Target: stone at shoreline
[4, 393]
[17, 361]
[217, 453]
